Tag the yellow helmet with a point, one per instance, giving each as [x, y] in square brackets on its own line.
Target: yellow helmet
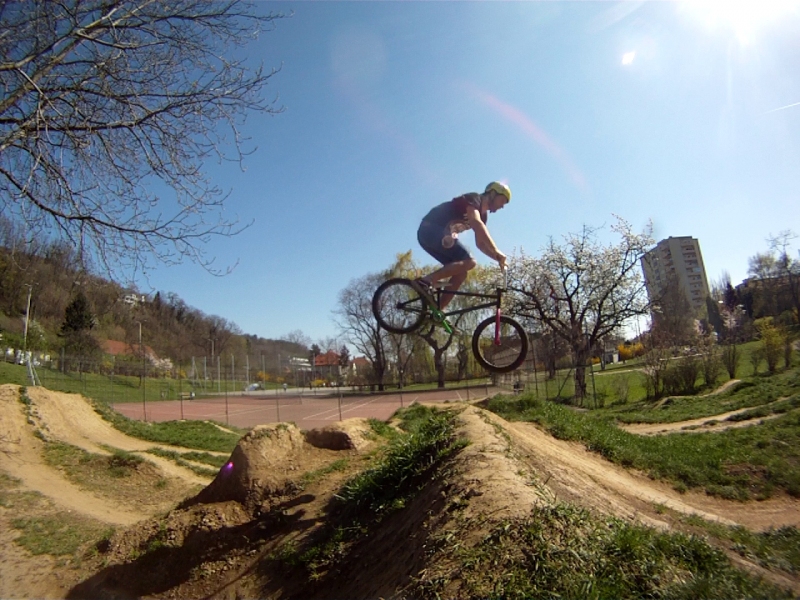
[500, 188]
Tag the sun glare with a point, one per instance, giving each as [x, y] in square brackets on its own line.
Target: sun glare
[747, 19]
[627, 58]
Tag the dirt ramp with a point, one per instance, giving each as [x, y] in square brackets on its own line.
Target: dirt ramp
[21, 457]
[351, 434]
[258, 467]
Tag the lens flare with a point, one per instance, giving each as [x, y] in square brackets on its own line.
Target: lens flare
[747, 19]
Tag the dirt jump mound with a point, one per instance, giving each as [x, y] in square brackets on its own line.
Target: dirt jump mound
[268, 460]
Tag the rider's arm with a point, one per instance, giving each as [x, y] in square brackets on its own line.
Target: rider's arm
[483, 240]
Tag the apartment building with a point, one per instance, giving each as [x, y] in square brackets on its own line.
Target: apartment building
[677, 259]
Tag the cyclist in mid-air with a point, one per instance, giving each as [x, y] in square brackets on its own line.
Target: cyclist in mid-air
[438, 236]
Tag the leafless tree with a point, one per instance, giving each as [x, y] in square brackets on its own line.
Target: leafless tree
[786, 267]
[109, 110]
[357, 324]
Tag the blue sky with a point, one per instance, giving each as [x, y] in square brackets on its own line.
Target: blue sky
[393, 107]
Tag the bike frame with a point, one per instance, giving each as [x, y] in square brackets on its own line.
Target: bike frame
[497, 301]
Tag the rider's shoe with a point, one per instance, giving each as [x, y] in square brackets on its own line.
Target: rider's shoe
[424, 289]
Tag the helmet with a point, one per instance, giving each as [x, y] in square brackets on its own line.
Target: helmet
[500, 188]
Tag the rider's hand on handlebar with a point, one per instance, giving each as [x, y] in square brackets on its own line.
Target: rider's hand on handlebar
[501, 260]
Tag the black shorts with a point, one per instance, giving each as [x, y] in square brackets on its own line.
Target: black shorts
[430, 236]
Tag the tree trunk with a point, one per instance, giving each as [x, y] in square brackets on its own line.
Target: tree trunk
[581, 358]
[438, 362]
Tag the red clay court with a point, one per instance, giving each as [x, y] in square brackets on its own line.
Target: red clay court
[306, 410]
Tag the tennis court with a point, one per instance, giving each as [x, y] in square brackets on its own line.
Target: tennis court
[307, 411]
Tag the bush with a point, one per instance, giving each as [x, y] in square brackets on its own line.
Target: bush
[731, 357]
[773, 339]
[681, 377]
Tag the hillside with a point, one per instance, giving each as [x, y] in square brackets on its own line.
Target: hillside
[470, 505]
[171, 327]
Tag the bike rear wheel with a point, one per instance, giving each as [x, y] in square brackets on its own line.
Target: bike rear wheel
[398, 307]
[503, 352]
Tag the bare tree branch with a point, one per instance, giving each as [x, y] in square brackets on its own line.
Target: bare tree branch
[102, 99]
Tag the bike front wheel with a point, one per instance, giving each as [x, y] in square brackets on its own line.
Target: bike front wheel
[501, 346]
[398, 307]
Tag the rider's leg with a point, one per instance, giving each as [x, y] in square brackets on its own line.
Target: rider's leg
[457, 272]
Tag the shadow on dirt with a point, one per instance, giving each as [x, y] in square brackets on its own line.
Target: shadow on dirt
[156, 566]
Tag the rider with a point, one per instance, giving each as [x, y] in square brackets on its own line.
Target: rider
[438, 236]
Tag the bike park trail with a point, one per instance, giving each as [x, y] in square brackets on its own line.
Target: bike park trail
[567, 470]
[307, 410]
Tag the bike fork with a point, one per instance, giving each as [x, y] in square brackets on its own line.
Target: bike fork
[497, 327]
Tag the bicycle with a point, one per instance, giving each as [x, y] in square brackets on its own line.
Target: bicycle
[499, 343]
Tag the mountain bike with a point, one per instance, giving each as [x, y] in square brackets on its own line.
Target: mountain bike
[499, 343]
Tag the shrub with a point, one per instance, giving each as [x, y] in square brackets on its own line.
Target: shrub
[773, 339]
[731, 358]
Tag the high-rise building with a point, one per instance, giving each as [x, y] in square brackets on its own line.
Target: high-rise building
[676, 261]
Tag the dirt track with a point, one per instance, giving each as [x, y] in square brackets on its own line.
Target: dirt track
[565, 470]
[21, 457]
[585, 478]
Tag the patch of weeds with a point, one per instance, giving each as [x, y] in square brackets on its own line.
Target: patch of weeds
[563, 551]
[23, 397]
[431, 438]
[13, 497]
[179, 459]
[122, 463]
[395, 476]
[206, 458]
[382, 429]
[57, 535]
[772, 549]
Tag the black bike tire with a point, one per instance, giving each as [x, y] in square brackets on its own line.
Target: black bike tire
[376, 298]
[477, 351]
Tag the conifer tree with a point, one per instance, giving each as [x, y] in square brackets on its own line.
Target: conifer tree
[76, 331]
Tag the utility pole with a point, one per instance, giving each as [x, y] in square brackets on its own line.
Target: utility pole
[27, 318]
[141, 351]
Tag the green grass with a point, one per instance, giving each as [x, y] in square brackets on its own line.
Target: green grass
[772, 549]
[182, 458]
[59, 534]
[199, 435]
[622, 384]
[566, 552]
[429, 439]
[77, 463]
[12, 497]
[394, 478]
[118, 388]
[753, 392]
[740, 464]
